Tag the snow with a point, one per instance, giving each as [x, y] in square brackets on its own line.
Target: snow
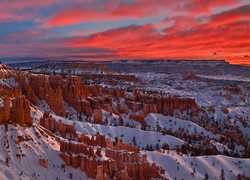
[211, 165]
[227, 77]
[9, 82]
[27, 167]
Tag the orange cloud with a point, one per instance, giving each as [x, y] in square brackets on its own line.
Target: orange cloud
[186, 39]
[109, 11]
[192, 31]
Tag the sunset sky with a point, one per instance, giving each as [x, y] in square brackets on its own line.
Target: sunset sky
[125, 29]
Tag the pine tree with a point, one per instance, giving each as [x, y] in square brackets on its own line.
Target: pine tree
[222, 174]
[134, 140]
[206, 177]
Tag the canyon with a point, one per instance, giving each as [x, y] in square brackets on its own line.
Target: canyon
[117, 126]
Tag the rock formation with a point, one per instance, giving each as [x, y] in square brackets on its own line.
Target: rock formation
[5, 111]
[18, 113]
[38, 87]
[27, 90]
[43, 163]
[233, 89]
[97, 114]
[51, 124]
[121, 163]
[191, 77]
[124, 161]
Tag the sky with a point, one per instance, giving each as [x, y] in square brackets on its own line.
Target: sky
[98, 30]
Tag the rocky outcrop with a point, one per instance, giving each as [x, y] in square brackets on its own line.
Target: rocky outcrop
[121, 160]
[191, 77]
[89, 100]
[7, 72]
[5, 111]
[233, 89]
[27, 90]
[100, 175]
[133, 165]
[120, 164]
[121, 109]
[18, 113]
[56, 81]
[43, 163]
[155, 103]
[97, 114]
[139, 118]
[74, 92]
[38, 87]
[11, 92]
[51, 124]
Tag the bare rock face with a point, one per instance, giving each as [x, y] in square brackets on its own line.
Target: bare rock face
[156, 103]
[149, 108]
[225, 110]
[51, 124]
[100, 175]
[135, 106]
[74, 92]
[44, 163]
[38, 87]
[55, 100]
[18, 113]
[233, 90]
[89, 165]
[97, 114]
[11, 92]
[121, 109]
[23, 81]
[94, 90]
[85, 108]
[170, 104]
[139, 118]
[55, 81]
[191, 77]
[133, 165]
[5, 111]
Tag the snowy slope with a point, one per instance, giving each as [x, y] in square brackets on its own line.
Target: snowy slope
[21, 159]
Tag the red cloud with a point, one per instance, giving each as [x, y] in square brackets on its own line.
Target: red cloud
[25, 9]
[189, 37]
[235, 15]
[185, 39]
[109, 11]
[199, 7]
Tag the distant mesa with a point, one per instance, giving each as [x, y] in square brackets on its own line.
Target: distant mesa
[246, 56]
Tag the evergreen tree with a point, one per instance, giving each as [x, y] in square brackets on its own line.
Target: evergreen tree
[222, 174]
[134, 140]
[80, 117]
[206, 177]
[7, 161]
